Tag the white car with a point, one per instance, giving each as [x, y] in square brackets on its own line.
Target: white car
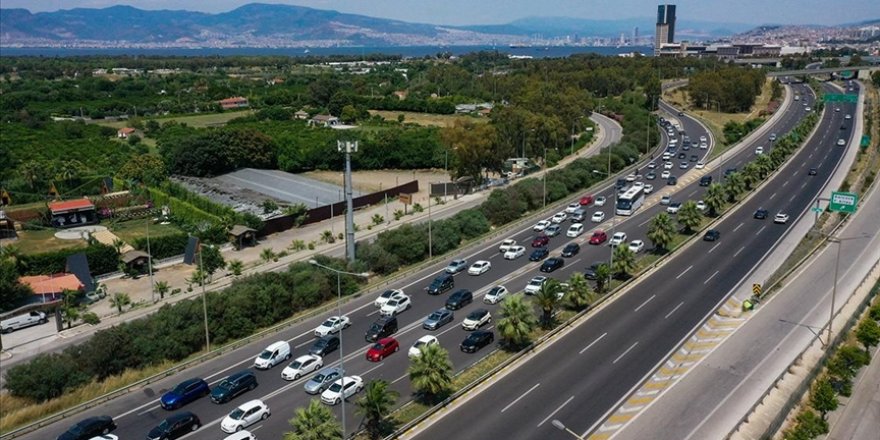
[559, 217]
[630, 177]
[575, 230]
[847, 117]
[700, 165]
[639, 185]
[481, 267]
[424, 341]
[636, 246]
[342, 389]
[506, 244]
[617, 239]
[701, 205]
[600, 201]
[648, 189]
[535, 284]
[704, 145]
[245, 415]
[598, 217]
[572, 207]
[514, 252]
[667, 165]
[665, 200]
[387, 295]
[703, 139]
[683, 165]
[673, 208]
[759, 151]
[333, 324]
[807, 108]
[476, 319]
[781, 218]
[652, 165]
[301, 366]
[841, 142]
[541, 225]
[495, 295]
[665, 174]
[396, 305]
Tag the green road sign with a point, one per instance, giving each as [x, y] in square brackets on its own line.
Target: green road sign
[840, 97]
[843, 202]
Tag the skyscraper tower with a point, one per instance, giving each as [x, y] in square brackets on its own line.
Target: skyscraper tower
[665, 26]
[635, 36]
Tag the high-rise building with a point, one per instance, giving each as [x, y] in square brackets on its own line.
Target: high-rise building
[665, 26]
[635, 36]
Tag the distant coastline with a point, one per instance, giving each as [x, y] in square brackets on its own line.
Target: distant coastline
[403, 51]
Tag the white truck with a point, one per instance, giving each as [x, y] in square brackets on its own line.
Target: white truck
[21, 321]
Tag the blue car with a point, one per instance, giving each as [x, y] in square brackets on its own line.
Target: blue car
[185, 392]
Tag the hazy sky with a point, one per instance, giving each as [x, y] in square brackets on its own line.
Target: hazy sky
[461, 12]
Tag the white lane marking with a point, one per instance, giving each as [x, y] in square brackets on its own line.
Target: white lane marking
[685, 271]
[644, 303]
[772, 196]
[645, 222]
[592, 343]
[372, 369]
[493, 256]
[803, 185]
[784, 183]
[555, 411]
[625, 352]
[520, 397]
[810, 156]
[673, 310]
[713, 248]
[791, 199]
[761, 230]
[693, 192]
[740, 250]
[710, 278]
[737, 227]
[399, 379]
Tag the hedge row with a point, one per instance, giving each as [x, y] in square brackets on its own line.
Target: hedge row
[102, 259]
[177, 331]
[164, 246]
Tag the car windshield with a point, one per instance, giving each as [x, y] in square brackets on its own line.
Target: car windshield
[387, 293]
[180, 388]
[378, 346]
[236, 414]
[295, 365]
[225, 384]
[318, 378]
[494, 291]
[477, 314]
[535, 282]
[328, 323]
[266, 354]
[164, 425]
[335, 387]
[435, 315]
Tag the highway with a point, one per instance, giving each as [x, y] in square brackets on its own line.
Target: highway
[137, 412]
[579, 377]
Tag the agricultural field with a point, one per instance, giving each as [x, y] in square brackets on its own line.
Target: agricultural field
[427, 119]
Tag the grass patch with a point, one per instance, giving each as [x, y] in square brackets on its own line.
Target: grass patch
[131, 230]
[16, 412]
[429, 119]
[39, 241]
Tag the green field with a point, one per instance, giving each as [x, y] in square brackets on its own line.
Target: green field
[427, 118]
[131, 230]
[36, 242]
[198, 121]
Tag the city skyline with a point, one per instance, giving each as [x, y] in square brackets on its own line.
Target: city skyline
[785, 12]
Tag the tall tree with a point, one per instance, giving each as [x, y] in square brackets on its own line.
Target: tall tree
[431, 372]
[868, 333]
[714, 198]
[12, 292]
[734, 186]
[823, 398]
[689, 217]
[375, 404]
[603, 276]
[624, 261]
[517, 322]
[580, 295]
[547, 300]
[314, 422]
[661, 231]
[211, 259]
[471, 148]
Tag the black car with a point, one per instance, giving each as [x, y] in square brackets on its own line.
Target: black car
[812, 172]
[552, 264]
[539, 254]
[592, 272]
[571, 250]
[694, 158]
[325, 345]
[459, 299]
[682, 155]
[620, 183]
[175, 426]
[705, 180]
[712, 235]
[441, 284]
[477, 340]
[383, 327]
[729, 171]
[672, 181]
[761, 214]
[88, 428]
[234, 385]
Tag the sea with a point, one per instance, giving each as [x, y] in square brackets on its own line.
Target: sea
[403, 51]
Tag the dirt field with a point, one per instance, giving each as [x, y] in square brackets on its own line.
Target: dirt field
[198, 121]
[427, 118]
[372, 181]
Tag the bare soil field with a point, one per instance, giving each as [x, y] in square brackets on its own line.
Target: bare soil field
[427, 118]
[376, 180]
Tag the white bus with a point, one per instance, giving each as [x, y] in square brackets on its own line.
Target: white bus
[630, 201]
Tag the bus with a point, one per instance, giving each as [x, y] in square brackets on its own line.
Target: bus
[630, 201]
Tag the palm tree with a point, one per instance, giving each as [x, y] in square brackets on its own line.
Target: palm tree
[580, 295]
[714, 198]
[327, 237]
[162, 288]
[547, 300]
[31, 171]
[624, 262]
[689, 217]
[118, 244]
[734, 186]
[120, 300]
[516, 323]
[236, 267]
[267, 255]
[430, 373]
[314, 422]
[764, 164]
[603, 275]
[661, 231]
[375, 404]
[751, 175]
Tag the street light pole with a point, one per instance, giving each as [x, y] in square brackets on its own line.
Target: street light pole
[544, 177]
[348, 147]
[204, 300]
[839, 241]
[339, 274]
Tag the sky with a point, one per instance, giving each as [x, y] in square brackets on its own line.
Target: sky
[467, 12]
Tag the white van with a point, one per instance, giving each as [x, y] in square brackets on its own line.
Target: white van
[575, 230]
[22, 321]
[273, 355]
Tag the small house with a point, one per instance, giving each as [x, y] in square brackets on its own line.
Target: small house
[48, 288]
[72, 213]
[324, 121]
[240, 235]
[125, 132]
[301, 114]
[234, 102]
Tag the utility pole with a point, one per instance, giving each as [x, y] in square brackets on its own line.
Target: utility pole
[348, 147]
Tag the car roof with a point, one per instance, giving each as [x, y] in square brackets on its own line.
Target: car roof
[427, 338]
[180, 416]
[240, 435]
[480, 311]
[240, 374]
[251, 404]
[387, 340]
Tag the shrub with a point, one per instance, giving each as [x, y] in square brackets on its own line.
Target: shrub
[102, 259]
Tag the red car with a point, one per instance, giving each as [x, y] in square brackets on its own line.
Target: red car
[382, 349]
[540, 241]
[587, 200]
[598, 237]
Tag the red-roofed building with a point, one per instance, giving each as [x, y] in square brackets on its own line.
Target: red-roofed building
[71, 213]
[49, 288]
[125, 132]
[234, 102]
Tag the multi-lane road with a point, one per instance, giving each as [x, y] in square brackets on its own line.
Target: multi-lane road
[583, 375]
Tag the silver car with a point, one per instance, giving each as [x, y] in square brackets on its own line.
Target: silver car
[438, 319]
[322, 380]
